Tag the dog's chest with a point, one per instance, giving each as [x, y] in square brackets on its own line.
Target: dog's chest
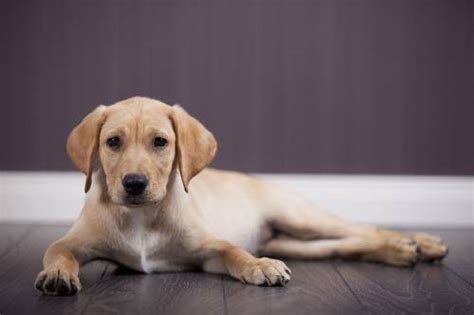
[145, 250]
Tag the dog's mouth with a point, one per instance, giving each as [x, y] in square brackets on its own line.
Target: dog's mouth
[137, 201]
[134, 200]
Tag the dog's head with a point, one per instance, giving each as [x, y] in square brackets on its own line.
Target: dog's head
[139, 141]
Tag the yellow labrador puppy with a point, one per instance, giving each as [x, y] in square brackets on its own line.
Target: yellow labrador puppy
[153, 206]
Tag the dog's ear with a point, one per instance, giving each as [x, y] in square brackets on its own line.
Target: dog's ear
[195, 145]
[83, 142]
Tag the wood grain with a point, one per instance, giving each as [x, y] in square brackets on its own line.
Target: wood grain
[461, 252]
[11, 235]
[126, 291]
[460, 242]
[315, 288]
[427, 288]
[20, 267]
[324, 287]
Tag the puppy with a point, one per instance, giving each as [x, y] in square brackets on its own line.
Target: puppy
[153, 206]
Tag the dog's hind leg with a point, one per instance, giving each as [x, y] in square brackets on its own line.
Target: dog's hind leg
[303, 220]
[391, 251]
[292, 216]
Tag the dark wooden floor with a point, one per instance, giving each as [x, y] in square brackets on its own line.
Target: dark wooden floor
[317, 287]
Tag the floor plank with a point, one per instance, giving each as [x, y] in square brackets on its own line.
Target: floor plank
[315, 288]
[427, 288]
[126, 291]
[20, 267]
[11, 234]
[460, 242]
[461, 252]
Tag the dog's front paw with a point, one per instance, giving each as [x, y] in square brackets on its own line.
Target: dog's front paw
[57, 281]
[430, 247]
[265, 271]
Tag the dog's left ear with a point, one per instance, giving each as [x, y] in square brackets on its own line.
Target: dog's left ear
[83, 142]
[195, 145]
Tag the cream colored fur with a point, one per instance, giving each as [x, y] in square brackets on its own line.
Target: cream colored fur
[196, 217]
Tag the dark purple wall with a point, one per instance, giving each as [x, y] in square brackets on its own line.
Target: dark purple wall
[369, 86]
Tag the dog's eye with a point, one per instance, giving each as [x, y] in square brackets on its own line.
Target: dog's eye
[113, 142]
[159, 142]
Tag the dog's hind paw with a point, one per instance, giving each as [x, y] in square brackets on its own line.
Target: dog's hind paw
[430, 247]
[395, 251]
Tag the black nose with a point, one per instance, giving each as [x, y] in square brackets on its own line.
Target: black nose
[134, 184]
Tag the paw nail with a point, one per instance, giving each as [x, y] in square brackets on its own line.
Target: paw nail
[62, 287]
[50, 285]
[39, 285]
[74, 288]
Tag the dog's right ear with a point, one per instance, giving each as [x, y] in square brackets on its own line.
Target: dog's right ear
[83, 142]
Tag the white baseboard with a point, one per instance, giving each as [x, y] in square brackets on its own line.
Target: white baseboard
[391, 200]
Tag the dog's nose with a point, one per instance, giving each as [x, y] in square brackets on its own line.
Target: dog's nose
[134, 184]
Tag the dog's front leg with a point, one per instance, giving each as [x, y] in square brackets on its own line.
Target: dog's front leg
[61, 269]
[224, 257]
